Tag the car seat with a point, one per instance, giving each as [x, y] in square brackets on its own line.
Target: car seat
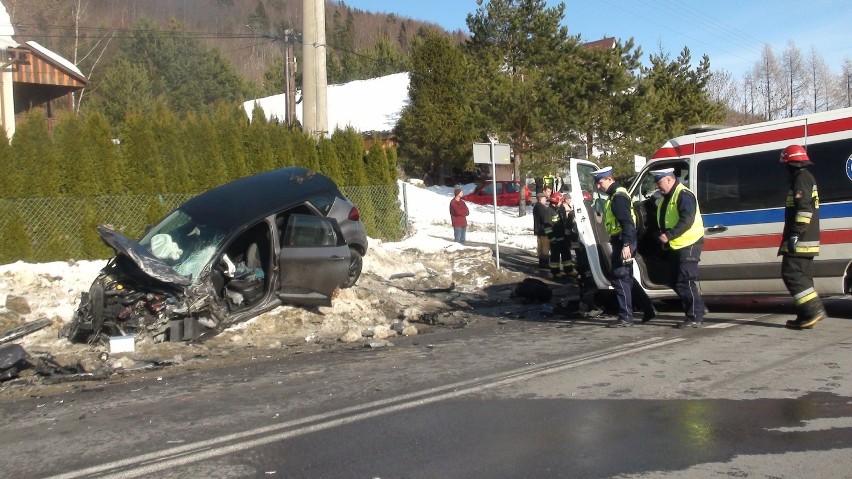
[248, 283]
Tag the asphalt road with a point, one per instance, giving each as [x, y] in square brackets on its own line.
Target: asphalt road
[512, 395]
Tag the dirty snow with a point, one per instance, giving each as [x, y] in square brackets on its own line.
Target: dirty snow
[378, 306]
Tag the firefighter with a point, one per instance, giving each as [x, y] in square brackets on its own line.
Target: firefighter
[800, 238]
[558, 234]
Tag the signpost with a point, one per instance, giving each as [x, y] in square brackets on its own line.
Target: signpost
[495, 154]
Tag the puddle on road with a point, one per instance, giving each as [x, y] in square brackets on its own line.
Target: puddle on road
[587, 438]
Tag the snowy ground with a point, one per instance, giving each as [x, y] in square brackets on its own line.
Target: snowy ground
[378, 303]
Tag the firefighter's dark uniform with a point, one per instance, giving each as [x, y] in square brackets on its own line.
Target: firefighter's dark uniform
[801, 219]
[558, 232]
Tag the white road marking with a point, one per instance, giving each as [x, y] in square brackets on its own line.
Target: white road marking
[203, 450]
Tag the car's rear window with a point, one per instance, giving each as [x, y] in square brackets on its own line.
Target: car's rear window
[323, 203]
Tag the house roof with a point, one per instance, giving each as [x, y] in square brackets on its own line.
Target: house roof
[44, 77]
[607, 43]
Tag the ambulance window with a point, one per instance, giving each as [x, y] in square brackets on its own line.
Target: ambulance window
[647, 187]
[832, 169]
[739, 183]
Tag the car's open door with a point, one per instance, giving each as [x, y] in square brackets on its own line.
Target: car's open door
[314, 260]
[588, 204]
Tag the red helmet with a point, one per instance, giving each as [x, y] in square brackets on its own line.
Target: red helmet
[794, 153]
[556, 197]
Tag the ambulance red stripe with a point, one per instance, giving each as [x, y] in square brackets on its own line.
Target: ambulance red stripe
[770, 241]
[771, 136]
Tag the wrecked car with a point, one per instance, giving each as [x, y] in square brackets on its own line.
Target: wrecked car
[287, 236]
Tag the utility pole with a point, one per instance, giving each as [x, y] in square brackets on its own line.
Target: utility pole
[289, 78]
[314, 78]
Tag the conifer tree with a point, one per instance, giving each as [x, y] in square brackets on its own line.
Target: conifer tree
[259, 154]
[439, 124]
[329, 163]
[377, 165]
[173, 136]
[14, 241]
[8, 176]
[37, 174]
[393, 165]
[231, 124]
[597, 85]
[93, 245]
[124, 85]
[101, 155]
[282, 143]
[305, 151]
[204, 157]
[673, 94]
[349, 146]
[76, 178]
[514, 43]
[141, 156]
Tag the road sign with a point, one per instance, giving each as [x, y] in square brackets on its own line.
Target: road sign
[482, 153]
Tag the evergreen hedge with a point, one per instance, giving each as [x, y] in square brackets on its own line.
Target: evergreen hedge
[58, 186]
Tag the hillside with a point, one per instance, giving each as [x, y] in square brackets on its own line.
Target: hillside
[241, 29]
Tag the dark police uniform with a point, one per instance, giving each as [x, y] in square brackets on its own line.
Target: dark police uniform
[620, 223]
[679, 218]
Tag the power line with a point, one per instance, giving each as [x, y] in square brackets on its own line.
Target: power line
[22, 29]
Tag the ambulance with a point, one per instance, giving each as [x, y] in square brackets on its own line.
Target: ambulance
[741, 186]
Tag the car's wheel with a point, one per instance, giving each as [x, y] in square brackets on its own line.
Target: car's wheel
[356, 262]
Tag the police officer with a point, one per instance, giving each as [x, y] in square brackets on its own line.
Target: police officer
[682, 234]
[620, 223]
[800, 239]
[558, 231]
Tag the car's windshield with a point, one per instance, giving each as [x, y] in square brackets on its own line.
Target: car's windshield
[182, 243]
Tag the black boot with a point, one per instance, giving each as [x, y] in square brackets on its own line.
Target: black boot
[807, 322]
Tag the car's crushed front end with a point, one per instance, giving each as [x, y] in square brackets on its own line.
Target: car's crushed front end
[138, 294]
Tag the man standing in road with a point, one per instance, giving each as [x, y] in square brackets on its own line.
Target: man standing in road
[620, 223]
[800, 239]
[458, 216]
[682, 234]
[541, 219]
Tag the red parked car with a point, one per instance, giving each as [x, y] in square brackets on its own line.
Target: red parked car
[507, 193]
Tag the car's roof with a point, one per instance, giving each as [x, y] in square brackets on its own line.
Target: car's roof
[248, 199]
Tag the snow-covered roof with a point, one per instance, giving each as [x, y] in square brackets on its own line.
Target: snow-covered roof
[55, 57]
[366, 105]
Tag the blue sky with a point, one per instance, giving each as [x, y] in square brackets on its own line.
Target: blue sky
[731, 32]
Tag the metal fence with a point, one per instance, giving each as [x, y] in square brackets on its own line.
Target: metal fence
[62, 228]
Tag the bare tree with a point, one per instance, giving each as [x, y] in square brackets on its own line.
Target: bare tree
[98, 47]
[795, 80]
[768, 81]
[845, 84]
[723, 89]
[822, 83]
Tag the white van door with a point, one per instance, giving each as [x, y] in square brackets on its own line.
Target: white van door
[588, 204]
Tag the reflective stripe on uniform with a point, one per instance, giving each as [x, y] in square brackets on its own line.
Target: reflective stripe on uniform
[805, 296]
